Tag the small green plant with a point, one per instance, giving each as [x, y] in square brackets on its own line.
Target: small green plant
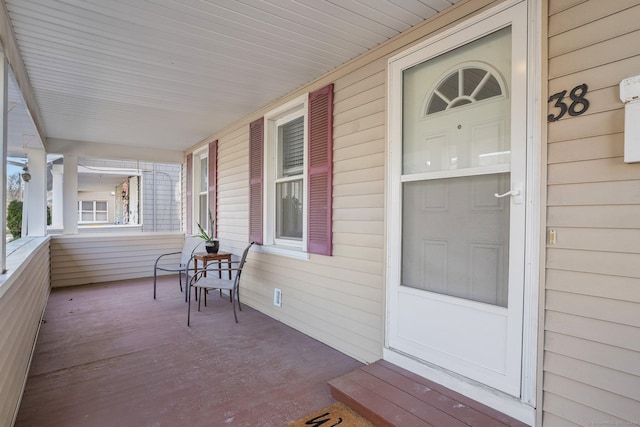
[207, 237]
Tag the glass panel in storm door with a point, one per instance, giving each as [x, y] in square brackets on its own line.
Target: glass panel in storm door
[455, 158]
[455, 237]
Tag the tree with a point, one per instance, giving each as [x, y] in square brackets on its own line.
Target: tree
[14, 187]
[14, 219]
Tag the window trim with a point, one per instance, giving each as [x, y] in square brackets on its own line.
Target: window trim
[297, 107]
[212, 185]
[198, 156]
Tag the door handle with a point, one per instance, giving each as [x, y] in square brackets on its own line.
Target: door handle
[508, 193]
[516, 193]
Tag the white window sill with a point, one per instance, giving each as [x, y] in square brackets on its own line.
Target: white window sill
[288, 251]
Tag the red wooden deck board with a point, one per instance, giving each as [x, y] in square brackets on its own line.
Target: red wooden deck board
[467, 415]
[384, 393]
[377, 409]
[492, 413]
[403, 399]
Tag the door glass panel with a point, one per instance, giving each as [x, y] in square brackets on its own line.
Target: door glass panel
[456, 108]
[455, 237]
[456, 120]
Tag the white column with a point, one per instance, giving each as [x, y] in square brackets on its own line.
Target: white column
[36, 197]
[4, 82]
[57, 204]
[24, 228]
[70, 194]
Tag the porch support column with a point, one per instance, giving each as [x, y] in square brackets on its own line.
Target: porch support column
[4, 82]
[57, 203]
[35, 202]
[70, 194]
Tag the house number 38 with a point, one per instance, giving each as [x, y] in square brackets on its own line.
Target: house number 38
[578, 105]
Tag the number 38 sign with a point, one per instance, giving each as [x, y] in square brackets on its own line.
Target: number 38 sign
[576, 105]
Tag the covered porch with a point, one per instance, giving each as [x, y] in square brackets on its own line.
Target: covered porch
[108, 354]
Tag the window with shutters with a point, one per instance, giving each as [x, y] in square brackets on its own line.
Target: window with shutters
[290, 176]
[286, 175]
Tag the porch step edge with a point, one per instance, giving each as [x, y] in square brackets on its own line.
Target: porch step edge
[390, 396]
[370, 405]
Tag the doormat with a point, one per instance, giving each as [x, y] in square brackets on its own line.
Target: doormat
[334, 415]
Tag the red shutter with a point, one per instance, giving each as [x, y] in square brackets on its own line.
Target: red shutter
[256, 159]
[212, 173]
[320, 171]
[188, 197]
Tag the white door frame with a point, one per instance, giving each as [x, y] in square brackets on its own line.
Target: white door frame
[523, 408]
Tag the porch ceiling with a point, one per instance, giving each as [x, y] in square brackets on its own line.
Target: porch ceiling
[169, 73]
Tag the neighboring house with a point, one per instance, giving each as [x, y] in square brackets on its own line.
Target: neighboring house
[143, 196]
[445, 178]
[425, 204]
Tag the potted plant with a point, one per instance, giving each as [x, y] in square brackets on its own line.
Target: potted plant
[211, 243]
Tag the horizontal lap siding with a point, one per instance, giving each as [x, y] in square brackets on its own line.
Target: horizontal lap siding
[336, 299]
[83, 259]
[233, 190]
[22, 302]
[592, 329]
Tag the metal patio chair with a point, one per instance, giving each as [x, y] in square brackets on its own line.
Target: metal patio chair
[191, 245]
[200, 282]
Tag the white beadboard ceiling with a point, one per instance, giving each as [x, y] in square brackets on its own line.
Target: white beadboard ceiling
[169, 73]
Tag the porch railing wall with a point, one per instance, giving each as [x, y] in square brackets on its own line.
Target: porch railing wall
[24, 290]
[93, 258]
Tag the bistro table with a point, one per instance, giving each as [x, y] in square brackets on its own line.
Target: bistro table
[206, 257]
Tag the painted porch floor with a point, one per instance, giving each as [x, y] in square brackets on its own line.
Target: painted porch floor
[109, 355]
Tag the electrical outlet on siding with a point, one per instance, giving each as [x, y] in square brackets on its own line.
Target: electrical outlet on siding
[277, 297]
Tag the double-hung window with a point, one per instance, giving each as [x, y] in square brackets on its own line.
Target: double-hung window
[291, 175]
[288, 192]
[201, 188]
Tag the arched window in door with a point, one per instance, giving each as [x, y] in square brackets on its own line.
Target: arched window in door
[467, 84]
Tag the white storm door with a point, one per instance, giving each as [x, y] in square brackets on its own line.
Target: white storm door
[457, 212]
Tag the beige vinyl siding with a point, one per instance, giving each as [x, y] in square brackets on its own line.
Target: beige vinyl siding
[23, 297]
[82, 259]
[340, 299]
[233, 191]
[337, 299]
[592, 293]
